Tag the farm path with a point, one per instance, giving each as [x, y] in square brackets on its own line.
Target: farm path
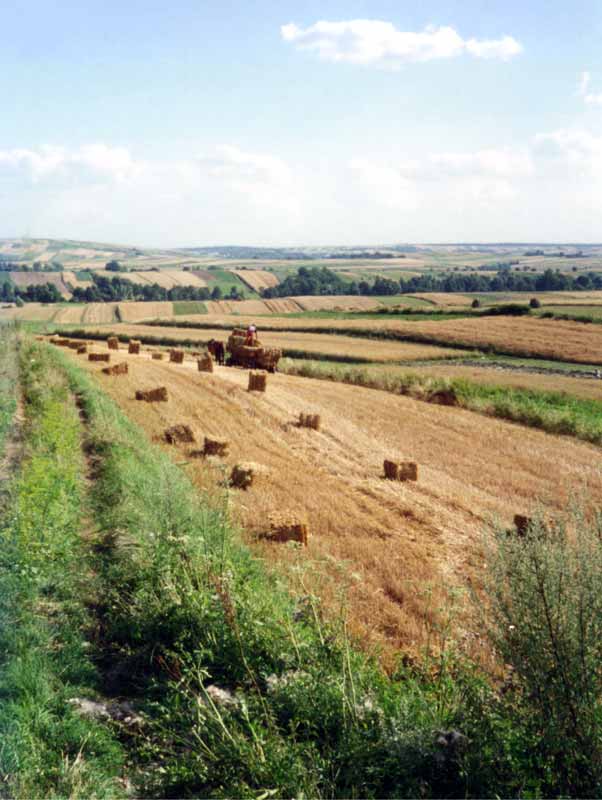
[399, 546]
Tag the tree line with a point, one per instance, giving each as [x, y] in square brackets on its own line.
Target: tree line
[322, 281]
[116, 288]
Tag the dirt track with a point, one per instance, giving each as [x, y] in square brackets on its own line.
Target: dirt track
[390, 542]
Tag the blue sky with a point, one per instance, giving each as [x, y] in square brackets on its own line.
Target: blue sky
[309, 123]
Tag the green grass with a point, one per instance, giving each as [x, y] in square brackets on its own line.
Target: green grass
[8, 381]
[225, 280]
[554, 412]
[48, 750]
[181, 307]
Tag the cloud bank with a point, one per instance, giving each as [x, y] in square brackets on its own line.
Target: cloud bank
[371, 42]
[547, 188]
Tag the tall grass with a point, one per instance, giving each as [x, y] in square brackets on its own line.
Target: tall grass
[8, 381]
[46, 749]
[554, 412]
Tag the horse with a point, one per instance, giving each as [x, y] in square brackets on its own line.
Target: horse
[217, 350]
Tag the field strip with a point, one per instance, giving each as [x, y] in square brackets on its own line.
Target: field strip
[398, 538]
[293, 344]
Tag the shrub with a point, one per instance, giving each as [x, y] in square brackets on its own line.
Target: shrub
[545, 592]
[534, 303]
[476, 303]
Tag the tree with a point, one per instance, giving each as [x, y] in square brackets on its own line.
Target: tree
[216, 294]
[114, 266]
[476, 303]
[534, 303]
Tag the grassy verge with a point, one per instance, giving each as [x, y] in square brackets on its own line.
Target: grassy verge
[8, 381]
[47, 749]
[554, 412]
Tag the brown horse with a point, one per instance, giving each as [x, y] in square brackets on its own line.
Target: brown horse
[217, 350]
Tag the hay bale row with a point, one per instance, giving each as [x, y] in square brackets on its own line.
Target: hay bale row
[157, 356]
[244, 474]
[113, 343]
[134, 347]
[152, 395]
[215, 447]
[116, 369]
[178, 434]
[287, 528]
[443, 397]
[401, 471]
[177, 356]
[99, 357]
[309, 421]
[257, 381]
[205, 363]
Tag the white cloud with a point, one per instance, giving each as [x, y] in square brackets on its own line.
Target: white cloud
[231, 163]
[575, 150]
[375, 42]
[590, 98]
[97, 159]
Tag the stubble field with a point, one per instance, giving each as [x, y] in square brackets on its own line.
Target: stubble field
[388, 548]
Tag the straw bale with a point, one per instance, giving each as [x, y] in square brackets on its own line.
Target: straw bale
[257, 381]
[179, 433]
[74, 345]
[243, 475]
[134, 347]
[83, 348]
[157, 356]
[152, 395]
[205, 363]
[177, 356]
[99, 357]
[522, 524]
[444, 397]
[113, 343]
[215, 447]
[400, 470]
[286, 527]
[309, 421]
[116, 369]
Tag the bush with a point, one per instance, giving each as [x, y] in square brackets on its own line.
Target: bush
[534, 303]
[476, 303]
[545, 592]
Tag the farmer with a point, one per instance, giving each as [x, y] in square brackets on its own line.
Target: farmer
[251, 335]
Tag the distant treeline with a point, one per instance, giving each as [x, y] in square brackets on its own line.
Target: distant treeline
[42, 293]
[37, 266]
[116, 289]
[322, 281]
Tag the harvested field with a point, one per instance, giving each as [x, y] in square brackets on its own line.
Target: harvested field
[343, 347]
[523, 336]
[99, 312]
[66, 314]
[135, 312]
[397, 542]
[182, 277]
[257, 279]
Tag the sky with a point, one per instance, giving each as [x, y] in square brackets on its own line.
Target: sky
[274, 123]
